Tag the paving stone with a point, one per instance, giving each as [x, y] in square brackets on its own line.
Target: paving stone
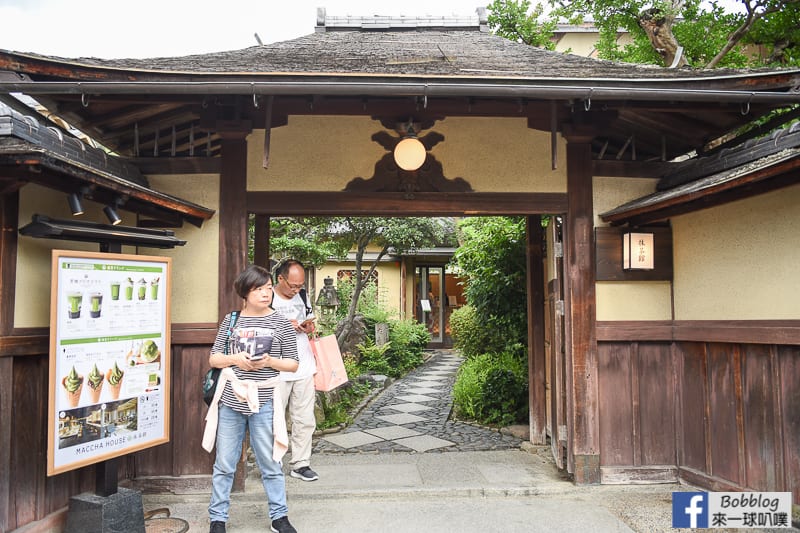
[393, 432]
[376, 432]
[423, 443]
[404, 418]
[416, 398]
[350, 440]
[409, 407]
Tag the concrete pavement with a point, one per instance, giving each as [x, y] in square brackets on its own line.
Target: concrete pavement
[508, 490]
[405, 465]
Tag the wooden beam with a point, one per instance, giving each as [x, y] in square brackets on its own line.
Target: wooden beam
[291, 203]
[631, 169]
[177, 165]
[580, 310]
[537, 394]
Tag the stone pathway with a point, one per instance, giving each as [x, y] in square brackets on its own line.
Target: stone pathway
[413, 415]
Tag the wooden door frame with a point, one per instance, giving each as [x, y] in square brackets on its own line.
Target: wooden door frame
[531, 205]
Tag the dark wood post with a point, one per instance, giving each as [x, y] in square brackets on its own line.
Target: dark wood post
[232, 234]
[261, 248]
[580, 310]
[537, 394]
[232, 218]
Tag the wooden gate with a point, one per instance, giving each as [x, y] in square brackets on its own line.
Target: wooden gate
[556, 360]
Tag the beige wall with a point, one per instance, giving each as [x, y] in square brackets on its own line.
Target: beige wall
[583, 43]
[195, 266]
[325, 153]
[388, 282]
[628, 300]
[34, 256]
[739, 261]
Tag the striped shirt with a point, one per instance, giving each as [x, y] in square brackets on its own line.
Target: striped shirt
[284, 346]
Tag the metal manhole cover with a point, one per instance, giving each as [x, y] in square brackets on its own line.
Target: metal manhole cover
[166, 525]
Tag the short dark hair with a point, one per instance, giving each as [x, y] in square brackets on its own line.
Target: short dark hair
[251, 277]
[284, 266]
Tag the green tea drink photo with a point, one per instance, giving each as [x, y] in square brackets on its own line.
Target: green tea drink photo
[142, 289]
[129, 289]
[75, 299]
[115, 290]
[154, 289]
[96, 300]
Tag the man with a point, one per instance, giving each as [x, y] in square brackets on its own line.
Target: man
[298, 391]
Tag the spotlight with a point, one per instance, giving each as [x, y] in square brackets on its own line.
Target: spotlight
[112, 215]
[75, 206]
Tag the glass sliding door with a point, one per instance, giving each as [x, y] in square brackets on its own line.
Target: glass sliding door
[430, 307]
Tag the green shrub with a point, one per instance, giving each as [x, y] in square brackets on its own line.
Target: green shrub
[373, 358]
[337, 406]
[493, 388]
[471, 336]
[408, 340]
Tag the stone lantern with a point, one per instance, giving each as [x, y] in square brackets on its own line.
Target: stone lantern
[328, 301]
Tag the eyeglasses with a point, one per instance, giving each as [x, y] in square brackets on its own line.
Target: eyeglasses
[294, 286]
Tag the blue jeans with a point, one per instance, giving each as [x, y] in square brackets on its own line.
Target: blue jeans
[230, 435]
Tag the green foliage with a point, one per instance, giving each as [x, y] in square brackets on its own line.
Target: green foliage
[511, 20]
[711, 35]
[492, 259]
[470, 336]
[408, 339]
[373, 357]
[492, 389]
[337, 407]
[289, 238]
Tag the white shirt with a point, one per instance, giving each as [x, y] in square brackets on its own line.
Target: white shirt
[295, 309]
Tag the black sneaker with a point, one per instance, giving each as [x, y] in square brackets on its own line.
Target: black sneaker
[305, 473]
[217, 527]
[282, 525]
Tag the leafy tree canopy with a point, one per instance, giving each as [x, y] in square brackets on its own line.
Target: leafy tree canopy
[666, 32]
[314, 240]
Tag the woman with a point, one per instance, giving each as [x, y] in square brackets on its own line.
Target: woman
[245, 399]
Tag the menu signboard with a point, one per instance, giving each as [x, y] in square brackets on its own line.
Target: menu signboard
[109, 357]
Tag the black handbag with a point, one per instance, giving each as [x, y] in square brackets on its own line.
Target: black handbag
[212, 376]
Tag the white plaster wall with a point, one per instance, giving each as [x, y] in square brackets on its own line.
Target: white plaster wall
[325, 153]
[34, 256]
[739, 261]
[195, 266]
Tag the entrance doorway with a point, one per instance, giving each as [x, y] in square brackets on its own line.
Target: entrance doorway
[437, 293]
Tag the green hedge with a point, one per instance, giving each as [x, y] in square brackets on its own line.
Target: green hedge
[492, 388]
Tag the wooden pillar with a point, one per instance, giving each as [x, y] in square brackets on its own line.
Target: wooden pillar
[537, 394]
[9, 225]
[232, 219]
[261, 248]
[580, 310]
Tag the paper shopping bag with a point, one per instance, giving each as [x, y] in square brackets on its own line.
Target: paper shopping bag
[330, 366]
